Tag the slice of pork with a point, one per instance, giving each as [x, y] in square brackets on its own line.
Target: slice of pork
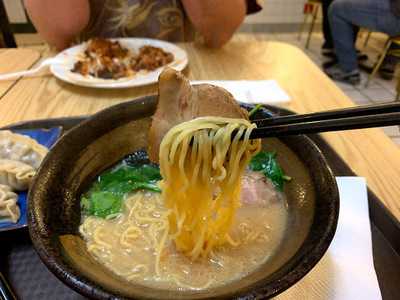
[257, 190]
[178, 102]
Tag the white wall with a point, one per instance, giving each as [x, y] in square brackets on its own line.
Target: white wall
[15, 11]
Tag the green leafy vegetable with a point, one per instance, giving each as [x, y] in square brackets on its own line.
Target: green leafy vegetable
[101, 204]
[255, 109]
[105, 197]
[266, 163]
[127, 178]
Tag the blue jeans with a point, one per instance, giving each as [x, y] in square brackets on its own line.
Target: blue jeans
[374, 15]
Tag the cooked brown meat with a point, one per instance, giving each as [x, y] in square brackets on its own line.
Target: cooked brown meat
[104, 59]
[178, 102]
[257, 190]
[151, 58]
[109, 60]
[81, 67]
[103, 47]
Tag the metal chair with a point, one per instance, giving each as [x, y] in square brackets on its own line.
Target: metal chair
[311, 7]
[8, 36]
[367, 38]
[386, 51]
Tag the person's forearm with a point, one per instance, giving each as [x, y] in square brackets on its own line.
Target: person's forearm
[58, 21]
[216, 20]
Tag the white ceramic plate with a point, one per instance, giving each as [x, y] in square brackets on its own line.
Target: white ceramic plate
[69, 56]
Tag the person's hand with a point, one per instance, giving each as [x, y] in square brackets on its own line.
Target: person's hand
[58, 21]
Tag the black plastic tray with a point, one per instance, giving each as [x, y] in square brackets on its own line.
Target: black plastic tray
[30, 279]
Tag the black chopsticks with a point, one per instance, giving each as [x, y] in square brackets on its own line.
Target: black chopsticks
[334, 120]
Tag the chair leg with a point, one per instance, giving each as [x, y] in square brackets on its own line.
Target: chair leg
[302, 26]
[367, 38]
[398, 89]
[314, 18]
[379, 62]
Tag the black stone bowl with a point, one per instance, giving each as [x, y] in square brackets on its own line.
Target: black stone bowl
[102, 140]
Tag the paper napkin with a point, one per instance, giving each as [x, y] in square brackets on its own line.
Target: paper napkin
[252, 91]
[346, 272]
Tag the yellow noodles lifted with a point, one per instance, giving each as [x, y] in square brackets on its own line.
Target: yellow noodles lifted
[201, 166]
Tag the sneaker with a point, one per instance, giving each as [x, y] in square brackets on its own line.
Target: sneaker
[336, 73]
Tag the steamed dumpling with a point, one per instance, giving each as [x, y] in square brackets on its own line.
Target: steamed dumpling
[9, 210]
[22, 148]
[16, 174]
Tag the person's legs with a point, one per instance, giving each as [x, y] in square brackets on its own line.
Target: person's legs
[371, 14]
[345, 66]
[341, 15]
[326, 29]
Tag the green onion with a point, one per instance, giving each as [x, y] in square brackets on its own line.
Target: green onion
[254, 109]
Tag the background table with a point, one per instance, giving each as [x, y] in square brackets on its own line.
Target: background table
[369, 152]
[13, 60]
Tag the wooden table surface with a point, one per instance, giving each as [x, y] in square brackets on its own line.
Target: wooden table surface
[369, 152]
[13, 60]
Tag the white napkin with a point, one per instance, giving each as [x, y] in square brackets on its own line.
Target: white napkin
[346, 271]
[252, 91]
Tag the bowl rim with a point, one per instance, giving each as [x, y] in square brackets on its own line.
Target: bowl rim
[89, 288]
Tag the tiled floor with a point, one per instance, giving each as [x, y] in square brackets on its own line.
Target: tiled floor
[378, 91]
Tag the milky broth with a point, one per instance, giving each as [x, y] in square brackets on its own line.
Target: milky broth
[127, 245]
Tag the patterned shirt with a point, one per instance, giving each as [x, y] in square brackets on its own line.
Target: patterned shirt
[159, 19]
